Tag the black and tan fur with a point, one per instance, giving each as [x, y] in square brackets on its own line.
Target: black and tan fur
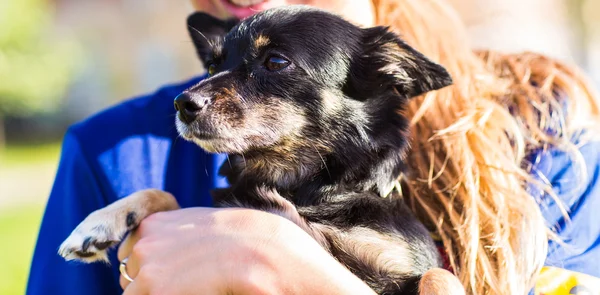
[308, 108]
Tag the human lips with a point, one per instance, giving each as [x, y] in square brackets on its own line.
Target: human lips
[244, 8]
[245, 3]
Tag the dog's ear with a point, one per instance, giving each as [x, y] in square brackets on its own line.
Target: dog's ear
[396, 63]
[206, 30]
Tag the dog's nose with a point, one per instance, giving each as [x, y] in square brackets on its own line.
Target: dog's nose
[190, 106]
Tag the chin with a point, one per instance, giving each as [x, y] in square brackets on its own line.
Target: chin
[183, 130]
[221, 146]
[210, 146]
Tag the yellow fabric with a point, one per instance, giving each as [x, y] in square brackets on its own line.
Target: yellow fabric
[557, 281]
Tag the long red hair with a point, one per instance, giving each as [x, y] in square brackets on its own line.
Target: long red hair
[469, 175]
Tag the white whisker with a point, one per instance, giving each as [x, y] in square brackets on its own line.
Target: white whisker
[322, 159]
[210, 43]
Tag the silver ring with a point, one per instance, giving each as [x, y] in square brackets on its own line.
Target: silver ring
[123, 269]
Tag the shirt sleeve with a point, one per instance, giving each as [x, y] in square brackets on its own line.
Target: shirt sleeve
[76, 193]
[578, 248]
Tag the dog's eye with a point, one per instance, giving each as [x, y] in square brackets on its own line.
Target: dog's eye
[276, 63]
[212, 68]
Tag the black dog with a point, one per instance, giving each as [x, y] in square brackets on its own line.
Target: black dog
[308, 108]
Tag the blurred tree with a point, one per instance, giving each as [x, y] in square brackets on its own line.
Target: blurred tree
[35, 66]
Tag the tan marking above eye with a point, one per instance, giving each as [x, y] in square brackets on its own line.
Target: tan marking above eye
[261, 41]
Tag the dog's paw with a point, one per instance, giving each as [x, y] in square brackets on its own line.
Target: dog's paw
[92, 238]
[106, 227]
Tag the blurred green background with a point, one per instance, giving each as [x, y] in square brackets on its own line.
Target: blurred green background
[29, 167]
[63, 60]
[35, 71]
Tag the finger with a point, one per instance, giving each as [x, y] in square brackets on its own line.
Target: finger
[127, 245]
[132, 268]
[135, 289]
[124, 282]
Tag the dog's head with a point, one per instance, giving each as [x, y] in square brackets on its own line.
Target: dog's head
[297, 74]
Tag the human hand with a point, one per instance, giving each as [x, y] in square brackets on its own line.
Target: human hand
[230, 251]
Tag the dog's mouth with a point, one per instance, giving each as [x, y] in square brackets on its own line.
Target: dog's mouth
[208, 141]
[205, 136]
[211, 142]
[190, 132]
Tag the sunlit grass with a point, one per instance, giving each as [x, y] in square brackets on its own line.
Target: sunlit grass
[18, 229]
[26, 172]
[15, 155]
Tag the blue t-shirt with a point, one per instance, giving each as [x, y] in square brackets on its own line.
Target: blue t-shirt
[135, 146]
[579, 192]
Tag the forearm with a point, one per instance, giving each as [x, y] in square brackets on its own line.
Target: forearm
[230, 251]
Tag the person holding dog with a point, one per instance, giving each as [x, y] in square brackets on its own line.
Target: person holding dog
[500, 162]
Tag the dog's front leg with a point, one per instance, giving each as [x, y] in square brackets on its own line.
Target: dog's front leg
[269, 200]
[106, 227]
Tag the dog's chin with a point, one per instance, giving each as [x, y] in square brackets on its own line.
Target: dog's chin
[210, 143]
[229, 141]
[216, 146]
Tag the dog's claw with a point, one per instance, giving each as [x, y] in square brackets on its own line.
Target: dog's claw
[92, 238]
[88, 249]
[86, 244]
[84, 254]
[104, 245]
[90, 241]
